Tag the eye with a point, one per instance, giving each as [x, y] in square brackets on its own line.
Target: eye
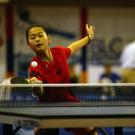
[40, 35]
[32, 37]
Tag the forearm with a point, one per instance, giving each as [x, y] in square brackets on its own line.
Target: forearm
[79, 44]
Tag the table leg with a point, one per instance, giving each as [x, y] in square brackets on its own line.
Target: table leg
[7, 129]
[118, 131]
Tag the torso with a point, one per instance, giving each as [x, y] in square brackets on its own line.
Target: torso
[56, 71]
[53, 72]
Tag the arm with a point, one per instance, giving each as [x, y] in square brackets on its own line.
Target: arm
[84, 41]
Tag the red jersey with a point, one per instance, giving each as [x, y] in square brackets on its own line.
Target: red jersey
[56, 71]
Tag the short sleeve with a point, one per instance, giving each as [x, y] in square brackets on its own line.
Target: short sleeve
[65, 50]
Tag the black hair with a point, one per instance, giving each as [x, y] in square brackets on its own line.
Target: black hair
[30, 27]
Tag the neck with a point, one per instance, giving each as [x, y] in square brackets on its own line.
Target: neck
[45, 55]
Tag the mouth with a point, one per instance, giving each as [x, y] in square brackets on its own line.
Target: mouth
[38, 45]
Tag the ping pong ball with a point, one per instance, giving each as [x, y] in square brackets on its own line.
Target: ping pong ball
[34, 64]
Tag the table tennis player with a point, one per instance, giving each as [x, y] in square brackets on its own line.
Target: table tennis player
[50, 66]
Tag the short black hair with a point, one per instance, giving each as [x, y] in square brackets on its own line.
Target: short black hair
[30, 27]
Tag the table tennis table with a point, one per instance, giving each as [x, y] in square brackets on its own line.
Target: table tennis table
[111, 113]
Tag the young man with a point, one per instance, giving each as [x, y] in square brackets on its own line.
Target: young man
[50, 66]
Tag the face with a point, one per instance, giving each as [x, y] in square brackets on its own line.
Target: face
[37, 39]
[108, 69]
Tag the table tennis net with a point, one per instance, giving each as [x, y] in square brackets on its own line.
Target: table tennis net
[88, 95]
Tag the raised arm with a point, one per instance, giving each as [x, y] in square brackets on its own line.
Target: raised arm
[84, 41]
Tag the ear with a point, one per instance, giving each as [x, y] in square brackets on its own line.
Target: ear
[29, 45]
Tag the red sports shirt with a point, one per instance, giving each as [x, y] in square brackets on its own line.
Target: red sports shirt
[56, 71]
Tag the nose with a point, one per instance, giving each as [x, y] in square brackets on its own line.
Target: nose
[37, 38]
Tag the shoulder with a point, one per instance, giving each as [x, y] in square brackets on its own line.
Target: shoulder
[126, 71]
[116, 75]
[62, 50]
[59, 48]
[129, 48]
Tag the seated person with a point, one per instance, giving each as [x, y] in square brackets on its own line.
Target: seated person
[109, 76]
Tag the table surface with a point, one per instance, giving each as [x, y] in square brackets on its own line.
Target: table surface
[49, 117]
[110, 111]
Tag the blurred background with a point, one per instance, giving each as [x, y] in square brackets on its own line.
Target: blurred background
[65, 22]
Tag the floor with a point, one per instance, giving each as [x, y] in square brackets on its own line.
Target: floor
[110, 131]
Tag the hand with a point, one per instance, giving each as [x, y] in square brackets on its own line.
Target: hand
[34, 80]
[90, 31]
[37, 91]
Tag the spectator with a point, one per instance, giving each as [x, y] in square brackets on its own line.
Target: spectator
[109, 76]
[128, 63]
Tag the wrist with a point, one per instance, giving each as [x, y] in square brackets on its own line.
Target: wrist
[89, 39]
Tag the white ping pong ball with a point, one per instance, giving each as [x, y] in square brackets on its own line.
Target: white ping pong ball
[34, 64]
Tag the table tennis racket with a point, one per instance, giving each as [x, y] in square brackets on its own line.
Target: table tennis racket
[19, 80]
[6, 91]
[37, 91]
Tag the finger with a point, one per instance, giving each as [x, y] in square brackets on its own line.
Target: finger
[92, 27]
[91, 35]
[90, 30]
[34, 80]
[28, 80]
[87, 27]
[39, 81]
